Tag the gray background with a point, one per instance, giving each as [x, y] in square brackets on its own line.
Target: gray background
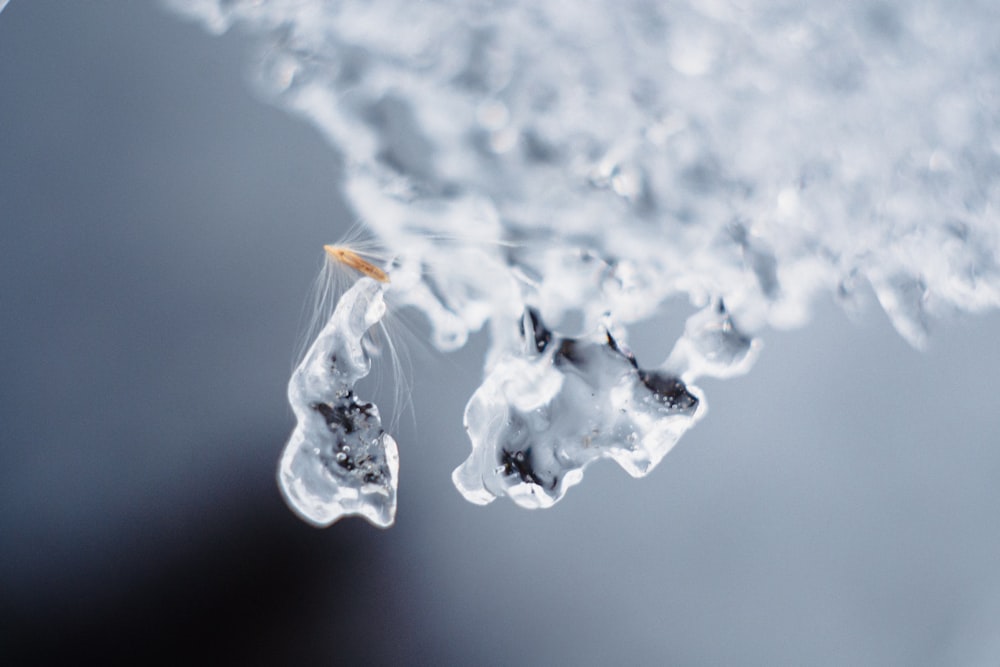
[160, 231]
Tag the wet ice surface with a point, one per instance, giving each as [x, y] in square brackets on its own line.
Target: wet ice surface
[599, 159]
[558, 404]
[339, 461]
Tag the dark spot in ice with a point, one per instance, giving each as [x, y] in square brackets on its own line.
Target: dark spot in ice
[569, 352]
[372, 472]
[326, 410]
[350, 415]
[355, 429]
[613, 344]
[541, 337]
[734, 338]
[669, 390]
[519, 462]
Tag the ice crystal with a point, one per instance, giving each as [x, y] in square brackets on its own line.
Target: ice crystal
[599, 158]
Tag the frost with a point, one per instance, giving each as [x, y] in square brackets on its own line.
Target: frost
[596, 159]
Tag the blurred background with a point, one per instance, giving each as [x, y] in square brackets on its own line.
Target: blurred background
[161, 228]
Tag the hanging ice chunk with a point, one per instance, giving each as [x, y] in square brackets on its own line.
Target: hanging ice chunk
[339, 461]
[545, 412]
[713, 346]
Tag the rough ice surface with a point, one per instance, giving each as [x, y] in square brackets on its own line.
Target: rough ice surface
[339, 461]
[597, 158]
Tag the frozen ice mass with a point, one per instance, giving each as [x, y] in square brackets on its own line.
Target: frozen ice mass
[339, 461]
[580, 165]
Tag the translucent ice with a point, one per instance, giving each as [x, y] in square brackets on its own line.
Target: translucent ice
[338, 460]
[554, 405]
[608, 155]
[712, 345]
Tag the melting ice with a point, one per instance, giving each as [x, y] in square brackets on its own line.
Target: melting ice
[605, 156]
[339, 461]
[545, 413]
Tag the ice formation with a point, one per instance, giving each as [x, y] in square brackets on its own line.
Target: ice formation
[556, 404]
[339, 461]
[600, 157]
